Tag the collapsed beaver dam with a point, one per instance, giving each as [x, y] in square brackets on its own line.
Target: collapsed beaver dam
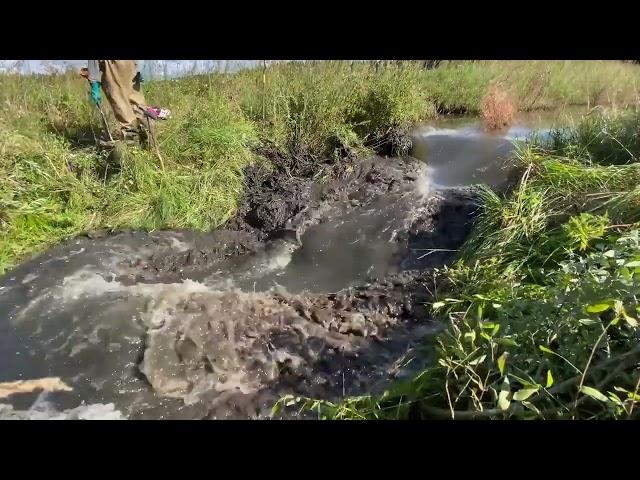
[220, 325]
[318, 287]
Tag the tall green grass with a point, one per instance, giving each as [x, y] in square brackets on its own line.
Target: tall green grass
[312, 109]
[575, 172]
[602, 138]
[54, 184]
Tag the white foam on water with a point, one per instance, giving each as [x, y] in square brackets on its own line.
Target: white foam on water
[86, 283]
[179, 245]
[43, 410]
[514, 133]
[185, 287]
[29, 277]
[429, 131]
[279, 261]
[423, 184]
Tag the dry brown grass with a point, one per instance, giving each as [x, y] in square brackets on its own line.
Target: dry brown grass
[497, 108]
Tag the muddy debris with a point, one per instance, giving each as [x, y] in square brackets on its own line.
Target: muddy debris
[235, 353]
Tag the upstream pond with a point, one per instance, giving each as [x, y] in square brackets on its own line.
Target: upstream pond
[216, 325]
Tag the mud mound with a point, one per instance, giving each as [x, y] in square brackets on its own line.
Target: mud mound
[279, 199]
[233, 354]
[271, 200]
[435, 238]
[276, 211]
[194, 262]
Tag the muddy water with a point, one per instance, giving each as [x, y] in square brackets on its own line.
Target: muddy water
[357, 244]
[459, 151]
[354, 242]
[218, 325]
[66, 316]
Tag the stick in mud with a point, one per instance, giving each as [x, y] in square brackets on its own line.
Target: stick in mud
[432, 250]
[49, 384]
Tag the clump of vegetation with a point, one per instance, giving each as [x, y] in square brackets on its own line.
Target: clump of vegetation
[542, 309]
[497, 109]
[529, 226]
[313, 109]
[581, 231]
[602, 138]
